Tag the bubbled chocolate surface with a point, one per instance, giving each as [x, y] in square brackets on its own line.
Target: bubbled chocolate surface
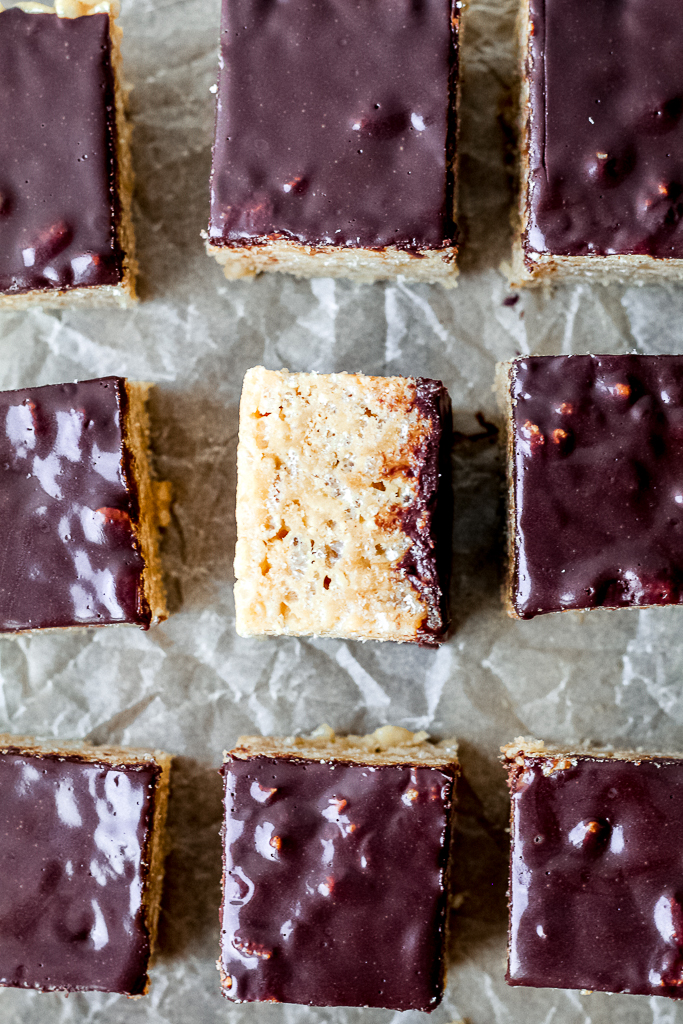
[598, 482]
[68, 552]
[73, 859]
[334, 884]
[58, 206]
[606, 145]
[596, 879]
[334, 122]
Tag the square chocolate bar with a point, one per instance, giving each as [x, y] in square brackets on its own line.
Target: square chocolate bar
[595, 468]
[596, 878]
[66, 234]
[601, 147]
[79, 511]
[343, 506]
[335, 141]
[81, 860]
[335, 869]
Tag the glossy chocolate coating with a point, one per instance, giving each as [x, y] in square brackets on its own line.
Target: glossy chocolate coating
[68, 505]
[73, 860]
[596, 884]
[58, 205]
[606, 141]
[598, 482]
[334, 884]
[334, 123]
[429, 520]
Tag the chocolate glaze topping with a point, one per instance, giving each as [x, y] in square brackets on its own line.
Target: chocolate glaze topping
[334, 882]
[68, 505]
[596, 883]
[58, 206]
[335, 123]
[606, 145]
[429, 520]
[73, 861]
[598, 482]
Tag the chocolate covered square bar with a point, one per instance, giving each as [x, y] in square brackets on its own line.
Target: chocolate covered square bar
[601, 146]
[335, 140]
[335, 869]
[81, 859]
[343, 506]
[79, 510]
[596, 879]
[66, 234]
[595, 457]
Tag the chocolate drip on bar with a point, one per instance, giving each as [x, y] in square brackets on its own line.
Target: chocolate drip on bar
[598, 481]
[334, 882]
[74, 839]
[596, 879]
[335, 123]
[428, 521]
[58, 199]
[606, 143]
[68, 508]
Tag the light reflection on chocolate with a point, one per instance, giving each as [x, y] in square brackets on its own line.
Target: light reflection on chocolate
[334, 885]
[596, 879]
[68, 505]
[73, 859]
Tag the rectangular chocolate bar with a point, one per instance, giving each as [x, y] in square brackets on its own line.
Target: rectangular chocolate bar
[335, 143]
[343, 506]
[66, 233]
[596, 879]
[81, 859]
[601, 146]
[79, 510]
[595, 514]
[335, 880]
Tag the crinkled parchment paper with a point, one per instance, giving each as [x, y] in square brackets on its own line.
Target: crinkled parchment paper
[191, 686]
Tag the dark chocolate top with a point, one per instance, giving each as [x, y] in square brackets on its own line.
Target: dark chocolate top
[606, 141]
[73, 862]
[58, 205]
[334, 887]
[598, 482]
[428, 521]
[596, 880]
[334, 123]
[68, 502]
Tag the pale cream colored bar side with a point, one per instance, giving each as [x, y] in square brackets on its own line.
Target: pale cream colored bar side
[325, 464]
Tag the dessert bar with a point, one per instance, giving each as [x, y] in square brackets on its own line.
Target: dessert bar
[596, 879]
[336, 856]
[81, 857]
[79, 510]
[343, 506]
[335, 140]
[66, 234]
[595, 517]
[601, 141]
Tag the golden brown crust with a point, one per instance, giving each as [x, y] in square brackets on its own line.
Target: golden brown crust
[282, 255]
[154, 496]
[559, 758]
[387, 745]
[504, 398]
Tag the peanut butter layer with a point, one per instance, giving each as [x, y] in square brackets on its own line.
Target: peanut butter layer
[343, 506]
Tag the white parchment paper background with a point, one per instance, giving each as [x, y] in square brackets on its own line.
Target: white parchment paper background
[191, 686]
